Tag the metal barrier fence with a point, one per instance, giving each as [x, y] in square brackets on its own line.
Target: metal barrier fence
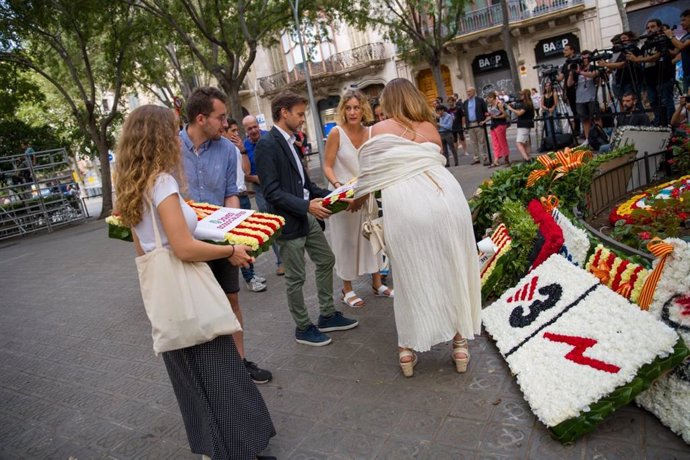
[37, 192]
[622, 177]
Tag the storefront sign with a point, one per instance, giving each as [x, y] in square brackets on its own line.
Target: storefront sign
[550, 48]
[490, 62]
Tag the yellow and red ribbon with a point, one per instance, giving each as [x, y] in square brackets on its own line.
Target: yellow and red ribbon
[549, 202]
[660, 250]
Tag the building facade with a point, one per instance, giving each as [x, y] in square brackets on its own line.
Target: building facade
[476, 57]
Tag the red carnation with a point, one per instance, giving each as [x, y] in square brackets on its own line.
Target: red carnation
[675, 193]
[645, 235]
[683, 215]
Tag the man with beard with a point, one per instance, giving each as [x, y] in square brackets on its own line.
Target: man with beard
[290, 193]
[211, 166]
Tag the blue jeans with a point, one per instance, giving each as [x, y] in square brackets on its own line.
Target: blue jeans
[661, 98]
[551, 124]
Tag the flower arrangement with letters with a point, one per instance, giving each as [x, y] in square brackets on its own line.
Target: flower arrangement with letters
[221, 225]
[578, 349]
[669, 397]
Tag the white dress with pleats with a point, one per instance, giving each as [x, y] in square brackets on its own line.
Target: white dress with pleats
[429, 239]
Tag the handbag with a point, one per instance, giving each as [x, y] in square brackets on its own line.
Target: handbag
[185, 304]
[372, 227]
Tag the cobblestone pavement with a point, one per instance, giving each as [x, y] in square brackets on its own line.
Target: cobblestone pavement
[78, 378]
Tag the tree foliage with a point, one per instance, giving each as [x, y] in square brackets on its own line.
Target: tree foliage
[84, 48]
[419, 28]
[15, 89]
[223, 36]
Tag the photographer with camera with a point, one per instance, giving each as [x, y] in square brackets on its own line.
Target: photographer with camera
[628, 75]
[659, 71]
[524, 109]
[683, 46]
[583, 78]
[569, 66]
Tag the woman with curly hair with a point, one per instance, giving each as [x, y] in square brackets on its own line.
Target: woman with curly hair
[223, 412]
[353, 254]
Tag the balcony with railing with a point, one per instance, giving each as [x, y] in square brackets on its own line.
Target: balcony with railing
[344, 62]
[518, 10]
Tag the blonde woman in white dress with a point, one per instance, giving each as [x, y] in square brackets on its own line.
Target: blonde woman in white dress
[353, 254]
[427, 228]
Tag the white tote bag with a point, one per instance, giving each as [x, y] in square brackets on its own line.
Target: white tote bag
[183, 300]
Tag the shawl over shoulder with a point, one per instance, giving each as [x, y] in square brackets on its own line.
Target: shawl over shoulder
[387, 159]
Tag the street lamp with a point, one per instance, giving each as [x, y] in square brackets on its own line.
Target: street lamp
[307, 77]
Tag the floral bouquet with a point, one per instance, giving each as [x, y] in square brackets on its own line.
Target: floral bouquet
[568, 340]
[334, 201]
[220, 225]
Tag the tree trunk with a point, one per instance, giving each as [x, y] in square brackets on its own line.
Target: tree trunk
[438, 79]
[508, 44]
[623, 14]
[234, 105]
[107, 185]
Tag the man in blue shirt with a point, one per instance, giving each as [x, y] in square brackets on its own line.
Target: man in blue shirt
[211, 169]
[475, 112]
[254, 133]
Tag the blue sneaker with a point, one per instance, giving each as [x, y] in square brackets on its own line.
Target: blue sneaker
[336, 322]
[312, 336]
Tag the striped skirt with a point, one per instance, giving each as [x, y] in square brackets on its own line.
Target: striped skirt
[223, 412]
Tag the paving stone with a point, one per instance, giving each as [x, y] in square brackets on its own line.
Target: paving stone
[460, 432]
[606, 449]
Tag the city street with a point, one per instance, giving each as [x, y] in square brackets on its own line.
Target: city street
[79, 380]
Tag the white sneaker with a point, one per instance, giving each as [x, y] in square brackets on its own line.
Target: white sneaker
[255, 286]
[260, 278]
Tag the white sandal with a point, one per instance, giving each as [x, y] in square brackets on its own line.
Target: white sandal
[382, 291]
[407, 367]
[351, 300]
[460, 346]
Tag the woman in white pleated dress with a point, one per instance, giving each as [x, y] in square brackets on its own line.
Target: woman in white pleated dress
[427, 228]
[353, 253]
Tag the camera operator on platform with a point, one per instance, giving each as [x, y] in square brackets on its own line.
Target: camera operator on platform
[569, 52]
[683, 46]
[583, 79]
[628, 75]
[659, 71]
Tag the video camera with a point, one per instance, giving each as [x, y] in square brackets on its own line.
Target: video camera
[574, 61]
[547, 71]
[621, 48]
[513, 98]
[657, 40]
[601, 55]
